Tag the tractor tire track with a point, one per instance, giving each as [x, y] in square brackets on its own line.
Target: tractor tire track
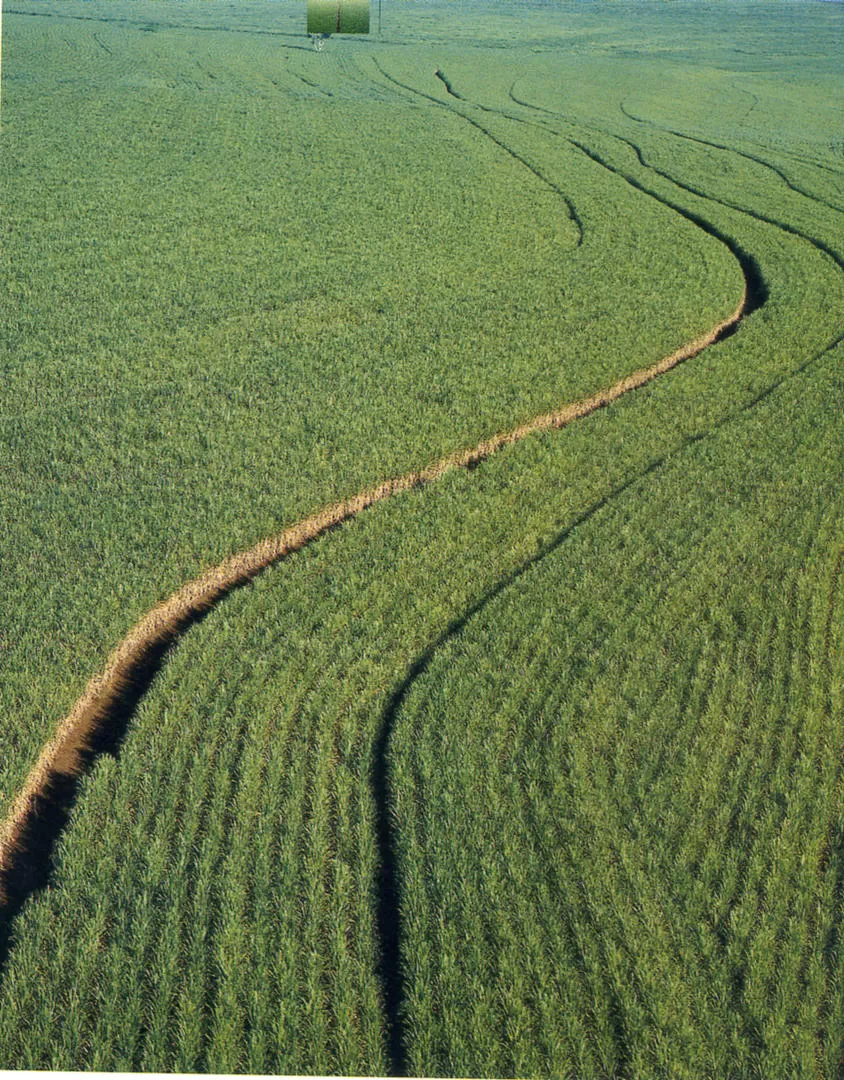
[573, 215]
[102, 44]
[439, 74]
[72, 750]
[731, 150]
[820, 245]
[309, 82]
[810, 163]
[138, 657]
[389, 892]
[816, 243]
[756, 289]
[98, 719]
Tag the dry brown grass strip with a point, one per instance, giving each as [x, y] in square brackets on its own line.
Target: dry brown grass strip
[64, 755]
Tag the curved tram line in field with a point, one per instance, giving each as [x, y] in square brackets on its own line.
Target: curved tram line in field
[756, 294]
[572, 212]
[736, 152]
[791, 230]
[97, 720]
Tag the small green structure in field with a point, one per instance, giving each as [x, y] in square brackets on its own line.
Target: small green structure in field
[338, 16]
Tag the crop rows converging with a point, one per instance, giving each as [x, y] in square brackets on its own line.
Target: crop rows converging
[421, 499]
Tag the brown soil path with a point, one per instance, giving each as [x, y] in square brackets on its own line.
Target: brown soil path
[68, 753]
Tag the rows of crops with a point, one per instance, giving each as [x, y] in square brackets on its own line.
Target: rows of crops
[533, 771]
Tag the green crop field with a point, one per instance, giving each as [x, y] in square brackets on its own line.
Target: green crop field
[534, 769]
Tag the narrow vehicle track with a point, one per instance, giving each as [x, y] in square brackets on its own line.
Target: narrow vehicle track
[756, 289]
[818, 244]
[444, 80]
[390, 892]
[755, 295]
[732, 150]
[573, 215]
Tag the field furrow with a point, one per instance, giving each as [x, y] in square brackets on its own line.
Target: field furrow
[572, 211]
[733, 150]
[820, 245]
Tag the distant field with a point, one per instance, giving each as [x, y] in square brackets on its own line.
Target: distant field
[536, 770]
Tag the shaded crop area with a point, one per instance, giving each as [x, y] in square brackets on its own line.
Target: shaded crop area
[534, 770]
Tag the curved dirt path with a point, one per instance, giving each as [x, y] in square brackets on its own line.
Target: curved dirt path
[70, 752]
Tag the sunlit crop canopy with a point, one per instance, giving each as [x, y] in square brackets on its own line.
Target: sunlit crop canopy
[338, 16]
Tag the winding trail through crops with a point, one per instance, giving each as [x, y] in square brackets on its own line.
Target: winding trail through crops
[38, 813]
[755, 295]
[421, 665]
[784, 227]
